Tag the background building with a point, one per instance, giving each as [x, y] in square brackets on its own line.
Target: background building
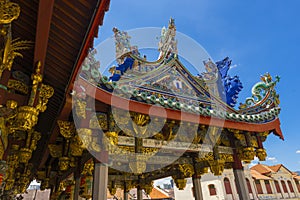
[263, 182]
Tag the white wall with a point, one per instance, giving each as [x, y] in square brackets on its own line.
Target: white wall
[187, 193]
[218, 181]
[208, 179]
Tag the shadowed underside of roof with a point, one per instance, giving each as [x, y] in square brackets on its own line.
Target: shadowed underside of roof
[72, 28]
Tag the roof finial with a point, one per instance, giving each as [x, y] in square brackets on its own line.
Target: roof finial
[122, 42]
[171, 22]
[168, 44]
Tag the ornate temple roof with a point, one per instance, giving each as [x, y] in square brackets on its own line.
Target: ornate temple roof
[42, 103]
[167, 83]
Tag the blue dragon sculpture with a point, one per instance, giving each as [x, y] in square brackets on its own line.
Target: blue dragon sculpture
[117, 72]
[230, 86]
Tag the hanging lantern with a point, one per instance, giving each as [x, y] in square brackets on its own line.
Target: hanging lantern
[86, 186]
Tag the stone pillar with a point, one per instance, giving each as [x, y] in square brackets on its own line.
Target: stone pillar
[139, 193]
[100, 181]
[197, 188]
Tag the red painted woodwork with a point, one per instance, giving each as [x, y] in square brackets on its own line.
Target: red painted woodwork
[42, 31]
[97, 21]
[66, 106]
[122, 103]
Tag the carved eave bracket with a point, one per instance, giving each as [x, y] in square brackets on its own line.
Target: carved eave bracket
[74, 144]
[19, 122]
[27, 115]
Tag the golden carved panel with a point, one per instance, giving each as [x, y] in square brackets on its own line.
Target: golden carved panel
[17, 86]
[8, 12]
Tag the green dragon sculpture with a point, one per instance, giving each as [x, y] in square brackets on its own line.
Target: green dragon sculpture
[260, 89]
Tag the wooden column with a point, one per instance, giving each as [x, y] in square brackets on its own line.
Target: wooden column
[77, 180]
[139, 193]
[100, 181]
[238, 171]
[3, 86]
[240, 179]
[125, 191]
[77, 187]
[42, 31]
[241, 184]
[197, 187]
[125, 195]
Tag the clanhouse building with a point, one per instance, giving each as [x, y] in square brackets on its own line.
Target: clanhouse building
[84, 132]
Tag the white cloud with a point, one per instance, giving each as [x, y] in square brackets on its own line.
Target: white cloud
[272, 159]
[162, 181]
[298, 151]
[254, 162]
[234, 66]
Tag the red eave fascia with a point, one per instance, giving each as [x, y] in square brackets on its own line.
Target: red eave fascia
[135, 106]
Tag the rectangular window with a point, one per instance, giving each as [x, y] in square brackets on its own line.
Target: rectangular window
[258, 187]
[212, 190]
[291, 186]
[227, 186]
[249, 186]
[284, 187]
[268, 187]
[277, 187]
[298, 185]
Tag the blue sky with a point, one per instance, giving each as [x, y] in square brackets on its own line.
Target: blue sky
[259, 36]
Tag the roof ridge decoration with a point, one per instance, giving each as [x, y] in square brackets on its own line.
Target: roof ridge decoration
[140, 78]
[122, 44]
[168, 43]
[90, 67]
[263, 97]
[226, 87]
[232, 85]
